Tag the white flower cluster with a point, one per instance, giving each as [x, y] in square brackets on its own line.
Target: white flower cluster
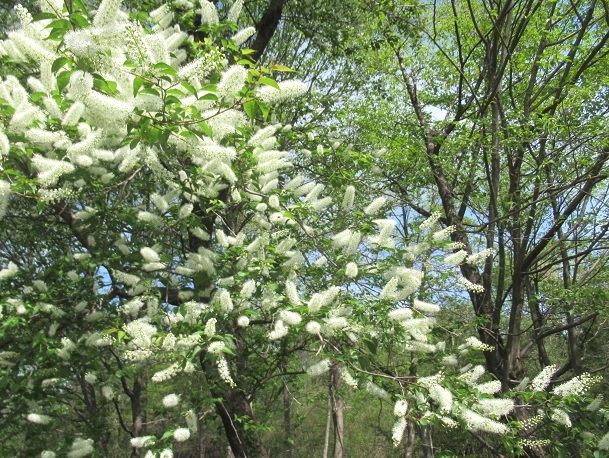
[290, 318]
[472, 376]
[319, 368]
[224, 371]
[400, 408]
[442, 396]
[492, 387]
[9, 271]
[181, 434]
[216, 348]
[431, 221]
[81, 447]
[107, 392]
[351, 270]
[39, 419]
[141, 332]
[166, 374]
[576, 386]
[456, 258]
[171, 400]
[468, 285]
[280, 330]
[243, 35]
[425, 307]
[477, 257]
[374, 206]
[383, 239]
[444, 233]
[530, 423]
[561, 417]
[535, 442]
[376, 390]
[51, 170]
[143, 441]
[476, 344]
[5, 192]
[403, 282]
[287, 90]
[494, 407]
[603, 444]
[397, 432]
[232, 80]
[542, 380]
[477, 422]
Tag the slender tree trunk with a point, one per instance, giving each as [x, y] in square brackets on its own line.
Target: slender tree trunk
[538, 322]
[287, 418]
[410, 438]
[338, 406]
[138, 411]
[327, 432]
[426, 442]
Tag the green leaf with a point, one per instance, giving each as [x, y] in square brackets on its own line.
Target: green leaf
[149, 90]
[371, 345]
[228, 351]
[265, 110]
[153, 135]
[172, 100]
[137, 84]
[129, 64]
[80, 6]
[36, 96]
[213, 97]
[251, 108]
[59, 24]
[189, 87]
[269, 82]
[164, 136]
[57, 34]
[206, 129]
[43, 16]
[281, 68]
[100, 83]
[63, 79]
[58, 63]
[165, 69]
[175, 91]
[364, 362]
[79, 20]
[167, 435]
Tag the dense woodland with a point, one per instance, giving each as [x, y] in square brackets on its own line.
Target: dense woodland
[288, 228]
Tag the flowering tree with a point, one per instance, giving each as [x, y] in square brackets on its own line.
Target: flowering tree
[154, 232]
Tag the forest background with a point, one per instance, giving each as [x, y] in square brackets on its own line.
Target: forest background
[491, 114]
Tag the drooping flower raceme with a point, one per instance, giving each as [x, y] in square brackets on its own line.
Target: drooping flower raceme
[542, 380]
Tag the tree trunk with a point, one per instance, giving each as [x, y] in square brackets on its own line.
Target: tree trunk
[327, 432]
[426, 442]
[410, 438]
[138, 411]
[235, 411]
[287, 417]
[338, 406]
